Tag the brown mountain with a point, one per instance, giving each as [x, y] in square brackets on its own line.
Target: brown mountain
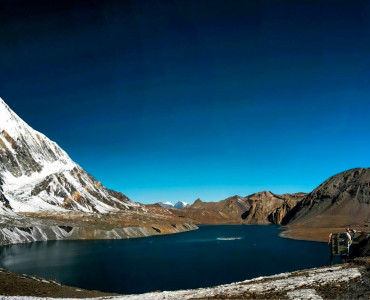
[259, 208]
[341, 201]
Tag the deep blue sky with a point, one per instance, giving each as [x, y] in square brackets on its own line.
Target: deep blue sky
[175, 100]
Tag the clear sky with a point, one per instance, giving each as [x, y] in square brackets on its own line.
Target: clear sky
[175, 100]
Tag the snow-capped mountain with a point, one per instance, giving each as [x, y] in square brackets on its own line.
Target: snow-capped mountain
[37, 175]
[178, 205]
[166, 204]
[181, 205]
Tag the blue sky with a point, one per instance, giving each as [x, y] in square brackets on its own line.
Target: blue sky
[178, 100]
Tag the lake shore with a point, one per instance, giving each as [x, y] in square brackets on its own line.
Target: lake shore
[350, 280]
[316, 234]
[232, 249]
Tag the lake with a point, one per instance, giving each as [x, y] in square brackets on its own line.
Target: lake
[209, 256]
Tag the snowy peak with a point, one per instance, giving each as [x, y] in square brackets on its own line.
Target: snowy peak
[24, 151]
[10, 121]
[8, 118]
[166, 204]
[181, 205]
[178, 205]
[37, 175]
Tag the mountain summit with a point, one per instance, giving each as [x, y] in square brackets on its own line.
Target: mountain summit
[37, 175]
[178, 205]
[181, 205]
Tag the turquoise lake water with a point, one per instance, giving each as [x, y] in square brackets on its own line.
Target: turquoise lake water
[209, 256]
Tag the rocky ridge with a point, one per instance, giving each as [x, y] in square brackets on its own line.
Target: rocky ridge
[341, 201]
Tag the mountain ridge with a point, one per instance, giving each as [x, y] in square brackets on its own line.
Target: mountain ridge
[177, 205]
[340, 201]
[259, 208]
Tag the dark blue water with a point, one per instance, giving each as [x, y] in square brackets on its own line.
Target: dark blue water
[186, 260]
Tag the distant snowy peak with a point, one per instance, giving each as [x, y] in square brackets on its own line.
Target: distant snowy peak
[37, 175]
[166, 204]
[181, 205]
[178, 205]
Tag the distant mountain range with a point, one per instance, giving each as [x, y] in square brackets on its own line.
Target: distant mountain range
[341, 201]
[259, 208]
[177, 205]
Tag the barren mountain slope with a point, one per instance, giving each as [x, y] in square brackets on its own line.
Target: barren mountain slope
[342, 200]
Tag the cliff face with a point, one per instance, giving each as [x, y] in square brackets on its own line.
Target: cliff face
[342, 200]
[260, 208]
[266, 207]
